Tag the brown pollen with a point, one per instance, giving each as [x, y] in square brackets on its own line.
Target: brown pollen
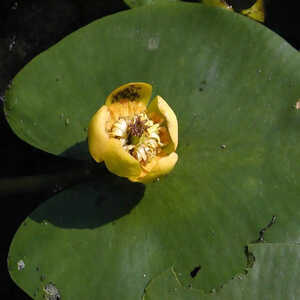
[137, 128]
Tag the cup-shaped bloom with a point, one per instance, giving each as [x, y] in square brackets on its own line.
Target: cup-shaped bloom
[134, 139]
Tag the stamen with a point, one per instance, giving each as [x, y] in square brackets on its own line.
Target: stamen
[139, 136]
[137, 127]
[120, 128]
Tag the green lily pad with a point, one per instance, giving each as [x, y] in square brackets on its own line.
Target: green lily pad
[274, 276]
[233, 85]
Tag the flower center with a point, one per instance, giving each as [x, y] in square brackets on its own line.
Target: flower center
[139, 136]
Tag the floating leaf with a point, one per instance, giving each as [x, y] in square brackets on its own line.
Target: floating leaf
[218, 3]
[256, 11]
[233, 85]
[274, 276]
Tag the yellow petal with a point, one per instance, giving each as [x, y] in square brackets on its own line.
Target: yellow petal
[120, 162]
[124, 109]
[97, 135]
[163, 166]
[159, 105]
[133, 91]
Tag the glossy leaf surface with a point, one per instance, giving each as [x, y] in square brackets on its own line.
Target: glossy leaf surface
[232, 84]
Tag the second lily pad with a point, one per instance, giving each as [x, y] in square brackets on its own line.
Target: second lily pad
[273, 276]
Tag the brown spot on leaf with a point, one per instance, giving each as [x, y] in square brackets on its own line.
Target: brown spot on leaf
[297, 105]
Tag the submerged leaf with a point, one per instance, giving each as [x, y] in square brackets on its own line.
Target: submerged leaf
[137, 3]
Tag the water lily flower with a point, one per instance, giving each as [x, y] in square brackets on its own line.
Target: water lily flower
[134, 140]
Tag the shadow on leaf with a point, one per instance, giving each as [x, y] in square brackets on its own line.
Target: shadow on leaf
[102, 200]
[90, 205]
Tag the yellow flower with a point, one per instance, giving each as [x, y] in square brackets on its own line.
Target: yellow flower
[134, 141]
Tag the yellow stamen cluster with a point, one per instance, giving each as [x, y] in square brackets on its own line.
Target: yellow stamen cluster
[139, 136]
